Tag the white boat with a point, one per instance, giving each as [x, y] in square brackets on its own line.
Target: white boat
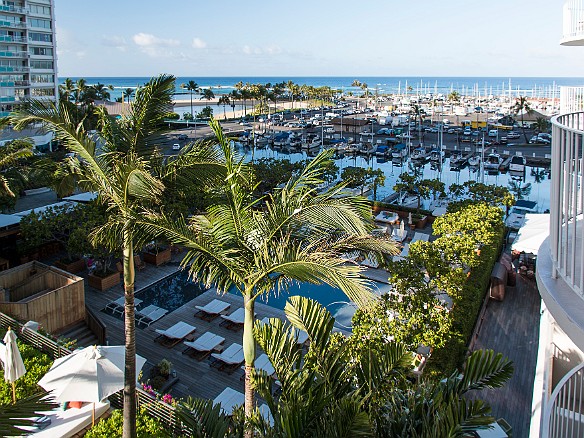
[516, 217]
[457, 159]
[437, 155]
[399, 151]
[366, 148]
[474, 161]
[408, 200]
[419, 153]
[493, 162]
[517, 164]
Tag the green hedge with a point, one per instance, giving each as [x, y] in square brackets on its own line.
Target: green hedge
[146, 427]
[452, 355]
[36, 364]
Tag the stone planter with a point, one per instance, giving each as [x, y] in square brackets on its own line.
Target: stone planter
[104, 283]
[421, 223]
[159, 258]
[72, 267]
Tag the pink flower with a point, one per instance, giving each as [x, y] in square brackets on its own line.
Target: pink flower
[167, 398]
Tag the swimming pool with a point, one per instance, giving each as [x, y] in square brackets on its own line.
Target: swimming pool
[177, 289]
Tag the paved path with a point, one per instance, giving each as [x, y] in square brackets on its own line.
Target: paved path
[511, 327]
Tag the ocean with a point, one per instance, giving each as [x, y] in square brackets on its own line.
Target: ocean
[544, 87]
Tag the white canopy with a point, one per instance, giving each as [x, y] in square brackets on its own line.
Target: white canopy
[82, 197]
[532, 234]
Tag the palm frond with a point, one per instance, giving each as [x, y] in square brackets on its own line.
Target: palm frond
[22, 413]
[485, 369]
[204, 419]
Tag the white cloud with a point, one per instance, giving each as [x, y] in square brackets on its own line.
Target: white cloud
[114, 41]
[148, 40]
[198, 43]
[271, 50]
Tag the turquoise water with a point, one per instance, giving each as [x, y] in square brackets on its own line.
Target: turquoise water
[172, 292]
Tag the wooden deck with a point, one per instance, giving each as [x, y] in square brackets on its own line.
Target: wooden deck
[511, 327]
[197, 379]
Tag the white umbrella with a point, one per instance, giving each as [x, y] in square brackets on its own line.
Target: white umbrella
[410, 218]
[13, 364]
[402, 229]
[88, 375]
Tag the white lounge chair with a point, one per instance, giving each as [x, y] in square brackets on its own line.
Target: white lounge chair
[229, 359]
[404, 253]
[229, 399]
[211, 310]
[117, 306]
[263, 363]
[173, 335]
[201, 347]
[420, 236]
[150, 314]
[235, 320]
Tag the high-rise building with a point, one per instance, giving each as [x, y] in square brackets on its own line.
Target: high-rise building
[558, 401]
[28, 55]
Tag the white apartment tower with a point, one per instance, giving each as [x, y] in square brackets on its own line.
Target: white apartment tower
[28, 54]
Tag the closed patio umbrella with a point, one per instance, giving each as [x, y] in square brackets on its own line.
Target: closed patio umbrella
[88, 375]
[410, 218]
[13, 364]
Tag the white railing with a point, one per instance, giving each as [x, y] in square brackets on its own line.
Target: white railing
[564, 412]
[571, 99]
[567, 199]
[573, 29]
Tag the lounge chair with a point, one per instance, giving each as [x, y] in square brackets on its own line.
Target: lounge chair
[173, 335]
[263, 363]
[420, 236]
[404, 253]
[230, 359]
[399, 235]
[211, 310]
[117, 306]
[229, 399]
[202, 347]
[235, 320]
[150, 314]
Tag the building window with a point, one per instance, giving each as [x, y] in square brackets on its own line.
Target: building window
[37, 22]
[43, 37]
[38, 9]
[41, 65]
[42, 79]
[42, 91]
[41, 51]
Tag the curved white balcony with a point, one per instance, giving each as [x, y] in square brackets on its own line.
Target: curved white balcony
[573, 28]
[564, 413]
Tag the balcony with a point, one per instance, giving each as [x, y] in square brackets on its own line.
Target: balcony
[10, 69]
[13, 25]
[573, 28]
[12, 39]
[13, 54]
[15, 9]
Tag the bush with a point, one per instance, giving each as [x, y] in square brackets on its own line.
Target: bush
[36, 363]
[146, 426]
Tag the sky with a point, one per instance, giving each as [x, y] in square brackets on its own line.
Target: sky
[504, 38]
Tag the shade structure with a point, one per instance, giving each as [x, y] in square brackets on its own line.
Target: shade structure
[532, 234]
[88, 375]
[13, 365]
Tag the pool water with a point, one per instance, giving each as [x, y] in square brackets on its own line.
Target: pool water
[172, 292]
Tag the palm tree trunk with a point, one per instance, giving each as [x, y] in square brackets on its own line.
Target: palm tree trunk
[192, 104]
[523, 129]
[249, 355]
[129, 414]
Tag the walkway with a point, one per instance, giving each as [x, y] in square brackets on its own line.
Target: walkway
[511, 327]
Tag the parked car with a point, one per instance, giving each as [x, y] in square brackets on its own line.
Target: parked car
[513, 135]
[176, 147]
[183, 137]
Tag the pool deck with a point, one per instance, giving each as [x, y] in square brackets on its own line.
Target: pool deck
[196, 379]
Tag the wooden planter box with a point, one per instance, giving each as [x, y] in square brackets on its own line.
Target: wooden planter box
[104, 283]
[421, 223]
[158, 259]
[73, 267]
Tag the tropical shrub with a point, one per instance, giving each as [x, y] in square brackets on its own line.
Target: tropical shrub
[111, 427]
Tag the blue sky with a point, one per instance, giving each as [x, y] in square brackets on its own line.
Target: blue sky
[314, 38]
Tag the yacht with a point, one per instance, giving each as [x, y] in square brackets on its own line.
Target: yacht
[474, 161]
[437, 155]
[419, 153]
[493, 162]
[381, 150]
[399, 151]
[457, 160]
[516, 217]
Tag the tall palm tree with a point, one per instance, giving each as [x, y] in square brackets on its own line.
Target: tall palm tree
[261, 246]
[356, 83]
[80, 88]
[365, 88]
[192, 87]
[224, 100]
[522, 107]
[128, 92]
[102, 91]
[207, 94]
[67, 89]
[240, 88]
[417, 111]
[128, 177]
[519, 190]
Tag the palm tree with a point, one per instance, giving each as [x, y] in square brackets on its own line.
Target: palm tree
[365, 88]
[541, 124]
[240, 88]
[418, 112]
[67, 89]
[224, 100]
[208, 94]
[519, 190]
[128, 92]
[22, 413]
[102, 92]
[454, 96]
[522, 106]
[128, 177]
[192, 87]
[356, 83]
[80, 88]
[260, 247]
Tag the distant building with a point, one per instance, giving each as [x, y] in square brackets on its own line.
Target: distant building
[28, 55]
